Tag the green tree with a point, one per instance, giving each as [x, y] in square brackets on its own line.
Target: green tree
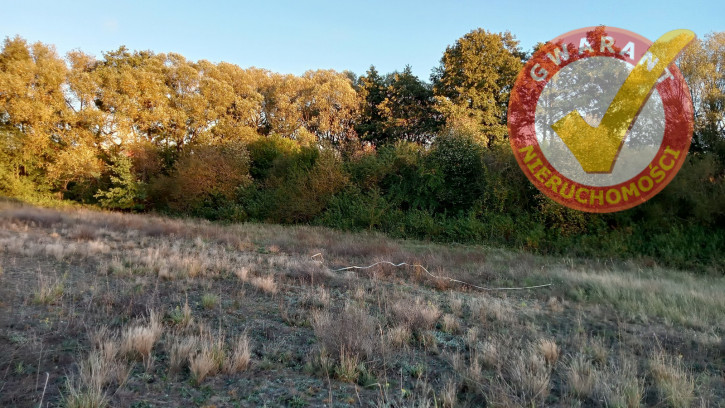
[408, 109]
[372, 90]
[396, 107]
[125, 192]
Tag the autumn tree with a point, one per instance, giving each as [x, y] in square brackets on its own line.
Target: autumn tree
[243, 118]
[703, 66]
[473, 82]
[199, 97]
[132, 92]
[36, 121]
[328, 106]
[280, 109]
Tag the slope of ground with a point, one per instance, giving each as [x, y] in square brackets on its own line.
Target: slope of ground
[138, 310]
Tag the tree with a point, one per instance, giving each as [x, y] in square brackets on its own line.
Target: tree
[199, 96]
[409, 108]
[459, 159]
[473, 82]
[37, 121]
[397, 107]
[372, 91]
[243, 118]
[280, 109]
[703, 66]
[131, 94]
[328, 105]
[125, 193]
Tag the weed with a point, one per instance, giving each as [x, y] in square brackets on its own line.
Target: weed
[209, 301]
[49, 290]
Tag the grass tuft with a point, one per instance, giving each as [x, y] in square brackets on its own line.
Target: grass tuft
[137, 341]
[266, 284]
[675, 384]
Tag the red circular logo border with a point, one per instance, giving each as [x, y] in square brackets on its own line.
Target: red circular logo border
[638, 189]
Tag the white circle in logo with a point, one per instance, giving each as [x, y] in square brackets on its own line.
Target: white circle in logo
[588, 86]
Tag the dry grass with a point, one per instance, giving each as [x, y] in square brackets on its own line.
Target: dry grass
[211, 358]
[79, 396]
[352, 329]
[137, 341]
[675, 384]
[549, 350]
[597, 351]
[399, 336]
[377, 337]
[493, 309]
[618, 385]
[242, 273]
[456, 304]
[449, 393]
[202, 365]
[348, 368]
[416, 314]
[182, 316]
[102, 368]
[529, 374]
[678, 297]
[491, 353]
[209, 301]
[240, 356]
[580, 376]
[471, 338]
[265, 283]
[49, 289]
[450, 324]
[181, 351]
[317, 297]
[474, 371]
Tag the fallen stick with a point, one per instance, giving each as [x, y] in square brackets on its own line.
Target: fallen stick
[440, 277]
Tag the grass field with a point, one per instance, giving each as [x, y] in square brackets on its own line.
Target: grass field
[131, 310]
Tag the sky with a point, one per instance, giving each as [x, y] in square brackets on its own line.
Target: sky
[295, 36]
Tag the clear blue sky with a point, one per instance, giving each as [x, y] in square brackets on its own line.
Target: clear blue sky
[294, 36]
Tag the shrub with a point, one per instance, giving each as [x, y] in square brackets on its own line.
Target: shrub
[307, 182]
[459, 160]
[124, 192]
[352, 330]
[206, 175]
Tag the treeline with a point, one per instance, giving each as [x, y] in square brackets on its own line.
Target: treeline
[139, 131]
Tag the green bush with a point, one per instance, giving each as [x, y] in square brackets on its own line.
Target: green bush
[124, 192]
[291, 184]
[459, 162]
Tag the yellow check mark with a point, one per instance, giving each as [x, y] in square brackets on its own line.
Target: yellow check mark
[596, 148]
